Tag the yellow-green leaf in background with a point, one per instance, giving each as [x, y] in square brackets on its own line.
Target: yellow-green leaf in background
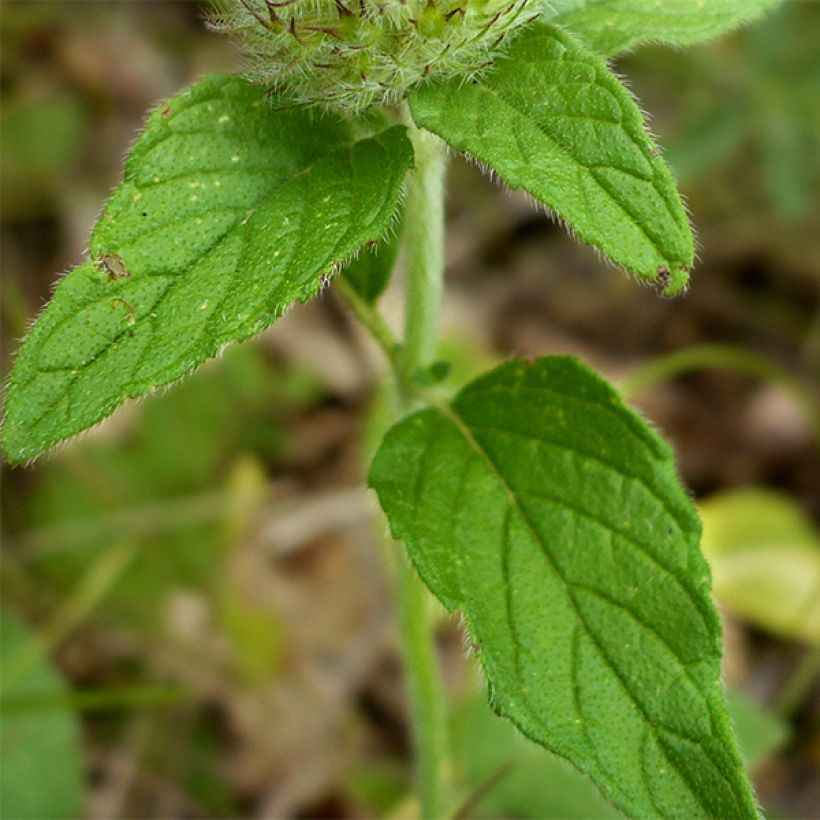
[765, 558]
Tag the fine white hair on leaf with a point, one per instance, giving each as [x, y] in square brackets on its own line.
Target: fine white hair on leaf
[543, 208]
[262, 324]
[301, 51]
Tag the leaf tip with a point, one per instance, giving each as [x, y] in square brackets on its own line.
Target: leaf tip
[672, 282]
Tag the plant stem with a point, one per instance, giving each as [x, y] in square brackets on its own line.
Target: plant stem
[424, 274]
[426, 690]
[467, 808]
[423, 239]
[372, 321]
[99, 700]
[726, 357]
[424, 248]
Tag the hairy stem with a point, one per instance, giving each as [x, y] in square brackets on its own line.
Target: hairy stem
[423, 238]
[424, 248]
[424, 273]
[426, 690]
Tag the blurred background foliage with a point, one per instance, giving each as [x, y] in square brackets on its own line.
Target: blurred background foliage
[196, 616]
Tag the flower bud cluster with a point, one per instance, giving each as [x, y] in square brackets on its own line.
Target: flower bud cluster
[351, 54]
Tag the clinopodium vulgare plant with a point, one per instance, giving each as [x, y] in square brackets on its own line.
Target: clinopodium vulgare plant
[533, 500]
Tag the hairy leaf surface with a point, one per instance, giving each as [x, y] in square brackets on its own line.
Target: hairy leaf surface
[610, 26]
[229, 212]
[552, 119]
[551, 515]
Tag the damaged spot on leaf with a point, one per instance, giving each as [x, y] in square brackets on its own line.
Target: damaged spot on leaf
[113, 265]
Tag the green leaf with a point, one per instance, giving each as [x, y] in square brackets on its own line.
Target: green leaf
[552, 119]
[369, 273]
[230, 211]
[540, 785]
[610, 26]
[760, 732]
[551, 515]
[765, 558]
[37, 745]
[537, 784]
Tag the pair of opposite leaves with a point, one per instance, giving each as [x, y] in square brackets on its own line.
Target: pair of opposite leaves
[231, 210]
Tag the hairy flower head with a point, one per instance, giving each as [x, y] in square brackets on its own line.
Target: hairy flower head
[351, 54]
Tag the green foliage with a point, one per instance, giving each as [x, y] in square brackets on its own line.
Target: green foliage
[610, 26]
[536, 502]
[370, 272]
[41, 773]
[222, 222]
[551, 516]
[765, 558]
[538, 785]
[757, 126]
[759, 731]
[552, 119]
